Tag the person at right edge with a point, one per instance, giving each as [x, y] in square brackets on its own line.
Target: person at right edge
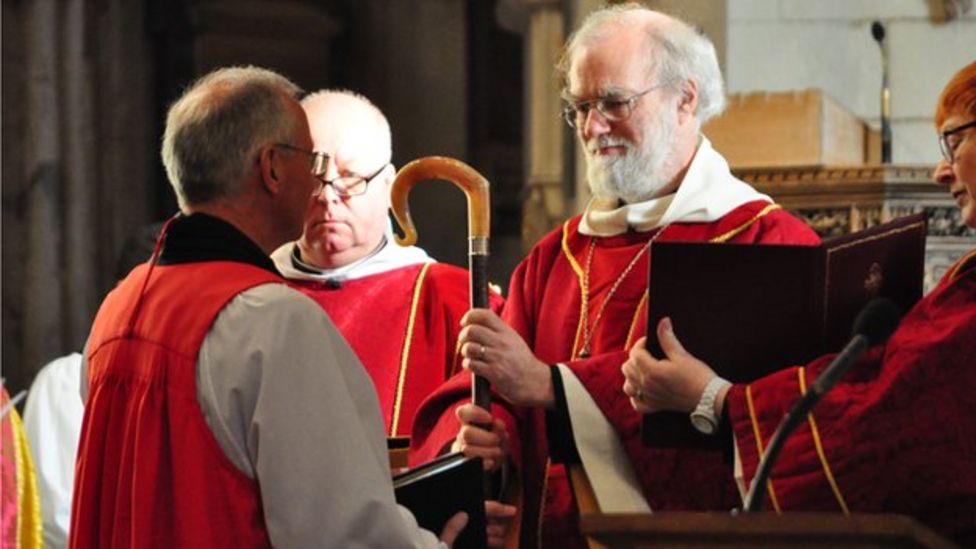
[897, 434]
[638, 86]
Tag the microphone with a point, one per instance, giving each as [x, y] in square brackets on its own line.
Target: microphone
[873, 326]
[878, 32]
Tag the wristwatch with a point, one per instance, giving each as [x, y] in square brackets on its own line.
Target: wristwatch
[704, 418]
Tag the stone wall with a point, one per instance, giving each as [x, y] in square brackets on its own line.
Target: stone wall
[777, 45]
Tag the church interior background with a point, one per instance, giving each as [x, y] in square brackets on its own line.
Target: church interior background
[86, 85]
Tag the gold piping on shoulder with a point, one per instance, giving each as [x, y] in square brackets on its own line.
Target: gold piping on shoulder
[971, 256]
[724, 237]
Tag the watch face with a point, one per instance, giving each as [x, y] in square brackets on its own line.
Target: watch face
[703, 424]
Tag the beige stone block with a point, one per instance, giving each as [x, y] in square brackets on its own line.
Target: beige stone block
[802, 128]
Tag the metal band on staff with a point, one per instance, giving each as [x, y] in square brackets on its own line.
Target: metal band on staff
[476, 189]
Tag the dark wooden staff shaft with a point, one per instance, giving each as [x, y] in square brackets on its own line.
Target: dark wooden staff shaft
[478, 267]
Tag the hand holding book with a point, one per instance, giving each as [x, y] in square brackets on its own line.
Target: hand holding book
[772, 306]
[674, 381]
[436, 491]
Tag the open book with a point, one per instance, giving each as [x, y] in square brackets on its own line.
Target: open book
[748, 310]
[435, 491]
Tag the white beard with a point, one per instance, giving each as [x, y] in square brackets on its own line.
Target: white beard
[640, 173]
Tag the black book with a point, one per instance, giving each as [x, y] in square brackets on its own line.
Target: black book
[747, 310]
[437, 490]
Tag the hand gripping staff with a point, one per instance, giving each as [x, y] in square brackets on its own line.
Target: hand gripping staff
[475, 187]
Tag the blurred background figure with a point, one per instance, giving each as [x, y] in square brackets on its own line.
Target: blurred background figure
[20, 507]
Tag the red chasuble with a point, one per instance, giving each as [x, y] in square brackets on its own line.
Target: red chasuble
[403, 324]
[150, 472]
[544, 306]
[897, 434]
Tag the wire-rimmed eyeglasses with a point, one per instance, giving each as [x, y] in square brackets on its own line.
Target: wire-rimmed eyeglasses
[351, 184]
[318, 162]
[948, 146]
[613, 109]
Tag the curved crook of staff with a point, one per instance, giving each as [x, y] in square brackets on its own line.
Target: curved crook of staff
[475, 187]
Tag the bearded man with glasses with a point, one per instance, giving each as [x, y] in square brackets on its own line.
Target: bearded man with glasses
[398, 308]
[638, 86]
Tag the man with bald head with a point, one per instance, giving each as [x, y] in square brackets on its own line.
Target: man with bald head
[398, 308]
[638, 86]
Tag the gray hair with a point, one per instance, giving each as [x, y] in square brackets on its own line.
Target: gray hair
[215, 130]
[676, 53]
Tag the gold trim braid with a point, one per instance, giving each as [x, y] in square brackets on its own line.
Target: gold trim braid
[405, 353]
[579, 279]
[731, 234]
[971, 256]
[759, 445]
[628, 343]
[819, 446]
[29, 525]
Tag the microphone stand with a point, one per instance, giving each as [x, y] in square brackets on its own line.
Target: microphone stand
[878, 32]
[872, 326]
[799, 410]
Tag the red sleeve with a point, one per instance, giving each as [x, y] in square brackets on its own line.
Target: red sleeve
[897, 434]
[436, 424]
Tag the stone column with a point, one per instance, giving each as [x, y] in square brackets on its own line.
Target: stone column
[415, 70]
[545, 203]
[290, 36]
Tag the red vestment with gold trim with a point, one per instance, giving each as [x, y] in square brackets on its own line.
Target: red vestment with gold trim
[896, 434]
[544, 307]
[376, 313]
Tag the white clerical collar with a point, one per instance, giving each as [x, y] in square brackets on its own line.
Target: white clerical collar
[386, 257]
[707, 192]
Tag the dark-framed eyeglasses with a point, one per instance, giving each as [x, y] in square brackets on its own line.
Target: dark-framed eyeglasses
[614, 109]
[318, 162]
[351, 184]
[948, 144]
